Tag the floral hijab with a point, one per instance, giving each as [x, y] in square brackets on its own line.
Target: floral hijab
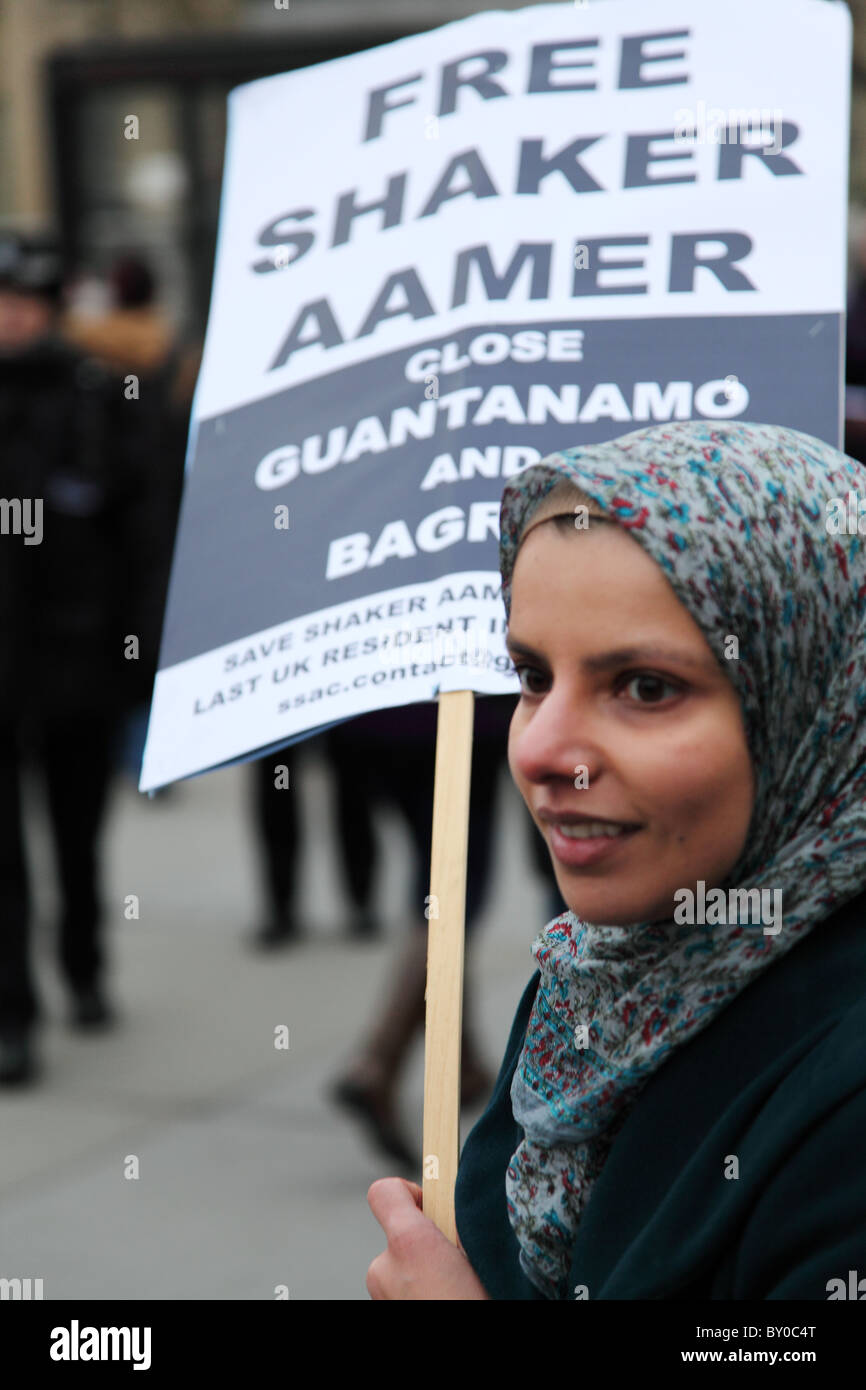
[751, 525]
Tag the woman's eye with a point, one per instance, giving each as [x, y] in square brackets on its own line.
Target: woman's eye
[648, 689]
[525, 674]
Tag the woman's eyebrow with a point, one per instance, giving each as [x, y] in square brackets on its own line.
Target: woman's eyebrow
[515, 647]
[620, 656]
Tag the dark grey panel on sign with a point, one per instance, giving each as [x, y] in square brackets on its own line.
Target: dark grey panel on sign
[235, 573]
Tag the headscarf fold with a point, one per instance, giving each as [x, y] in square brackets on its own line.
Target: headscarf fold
[741, 519]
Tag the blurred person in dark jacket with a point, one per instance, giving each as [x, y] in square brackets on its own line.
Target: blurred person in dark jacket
[135, 336]
[79, 624]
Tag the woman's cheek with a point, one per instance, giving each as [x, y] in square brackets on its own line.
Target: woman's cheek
[676, 783]
[518, 724]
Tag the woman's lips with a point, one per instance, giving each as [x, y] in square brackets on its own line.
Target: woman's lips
[589, 849]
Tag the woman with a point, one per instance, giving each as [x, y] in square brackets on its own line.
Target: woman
[681, 1108]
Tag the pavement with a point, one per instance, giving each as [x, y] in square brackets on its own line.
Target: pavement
[248, 1180]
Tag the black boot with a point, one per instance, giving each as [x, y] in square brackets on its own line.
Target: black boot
[281, 930]
[365, 926]
[17, 1058]
[90, 1008]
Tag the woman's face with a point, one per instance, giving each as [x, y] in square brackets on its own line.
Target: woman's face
[618, 679]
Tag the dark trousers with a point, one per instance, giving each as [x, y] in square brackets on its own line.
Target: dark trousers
[278, 829]
[370, 771]
[74, 756]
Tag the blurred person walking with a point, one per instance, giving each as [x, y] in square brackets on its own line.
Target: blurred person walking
[277, 835]
[74, 590]
[134, 337]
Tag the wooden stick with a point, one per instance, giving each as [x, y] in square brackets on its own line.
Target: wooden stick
[445, 956]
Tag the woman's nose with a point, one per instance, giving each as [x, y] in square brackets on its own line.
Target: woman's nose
[557, 741]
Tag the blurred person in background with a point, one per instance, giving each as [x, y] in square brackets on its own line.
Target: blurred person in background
[79, 542]
[277, 837]
[133, 335]
[278, 842]
[388, 758]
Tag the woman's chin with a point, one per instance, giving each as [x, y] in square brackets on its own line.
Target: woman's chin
[613, 912]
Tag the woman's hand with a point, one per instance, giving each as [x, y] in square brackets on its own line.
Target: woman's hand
[419, 1263]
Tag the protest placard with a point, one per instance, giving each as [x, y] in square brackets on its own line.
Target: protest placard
[441, 259]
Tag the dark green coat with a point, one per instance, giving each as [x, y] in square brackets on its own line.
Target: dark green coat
[777, 1080]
